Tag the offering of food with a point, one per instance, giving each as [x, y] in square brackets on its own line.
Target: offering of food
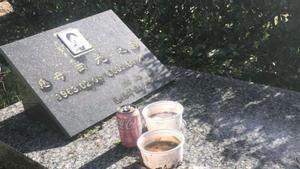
[163, 115]
[161, 148]
[129, 125]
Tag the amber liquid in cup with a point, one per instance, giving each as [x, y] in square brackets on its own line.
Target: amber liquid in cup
[162, 145]
[163, 115]
[161, 148]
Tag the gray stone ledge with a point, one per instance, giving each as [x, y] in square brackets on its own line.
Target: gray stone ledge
[230, 124]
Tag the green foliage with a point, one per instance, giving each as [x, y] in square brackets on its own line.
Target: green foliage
[255, 40]
[13, 85]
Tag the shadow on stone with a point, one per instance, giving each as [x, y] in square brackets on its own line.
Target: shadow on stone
[27, 135]
[136, 165]
[11, 159]
[110, 157]
[257, 122]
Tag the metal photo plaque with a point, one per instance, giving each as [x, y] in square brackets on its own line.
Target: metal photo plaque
[74, 41]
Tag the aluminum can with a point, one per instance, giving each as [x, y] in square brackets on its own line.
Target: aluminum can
[129, 124]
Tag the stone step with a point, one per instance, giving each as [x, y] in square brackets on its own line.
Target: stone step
[12, 159]
[230, 124]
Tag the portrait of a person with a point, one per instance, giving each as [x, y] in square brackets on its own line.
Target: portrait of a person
[74, 41]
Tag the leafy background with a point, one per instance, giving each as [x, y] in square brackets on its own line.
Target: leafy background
[253, 40]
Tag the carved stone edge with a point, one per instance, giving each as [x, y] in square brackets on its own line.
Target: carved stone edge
[12, 159]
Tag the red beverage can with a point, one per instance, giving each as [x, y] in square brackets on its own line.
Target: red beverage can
[129, 124]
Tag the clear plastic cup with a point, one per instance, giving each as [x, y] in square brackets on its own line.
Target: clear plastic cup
[163, 159]
[168, 122]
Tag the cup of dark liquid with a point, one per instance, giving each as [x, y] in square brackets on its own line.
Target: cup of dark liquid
[161, 148]
[163, 115]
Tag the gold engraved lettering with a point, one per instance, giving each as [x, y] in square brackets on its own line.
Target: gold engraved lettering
[95, 80]
[117, 101]
[80, 67]
[70, 91]
[82, 85]
[44, 84]
[88, 84]
[100, 59]
[118, 68]
[75, 89]
[134, 45]
[122, 50]
[128, 64]
[114, 71]
[59, 76]
[105, 60]
[132, 91]
[64, 94]
[99, 80]
[58, 97]
[124, 96]
[110, 74]
[123, 67]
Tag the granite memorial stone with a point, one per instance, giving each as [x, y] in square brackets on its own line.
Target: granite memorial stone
[81, 72]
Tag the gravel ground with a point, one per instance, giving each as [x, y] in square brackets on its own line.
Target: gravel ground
[230, 124]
